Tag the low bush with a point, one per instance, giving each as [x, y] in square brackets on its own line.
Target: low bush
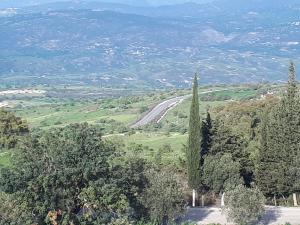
[244, 205]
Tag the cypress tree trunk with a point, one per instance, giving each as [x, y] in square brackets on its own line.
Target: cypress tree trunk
[194, 144]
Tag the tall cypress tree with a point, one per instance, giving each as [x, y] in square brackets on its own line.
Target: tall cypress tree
[194, 141]
[292, 105]
[292, 90]
[280, 143]
[289, 112]
[271, 169]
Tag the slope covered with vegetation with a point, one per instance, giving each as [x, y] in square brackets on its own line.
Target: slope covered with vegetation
[108, 173]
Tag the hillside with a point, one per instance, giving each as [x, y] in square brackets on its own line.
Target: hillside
[149, 112]
[109, 44]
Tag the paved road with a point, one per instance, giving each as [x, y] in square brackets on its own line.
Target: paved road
[159, 111]
[273, 216]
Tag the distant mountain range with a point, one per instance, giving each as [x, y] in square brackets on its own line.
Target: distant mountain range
[117, 44]
[24, 3]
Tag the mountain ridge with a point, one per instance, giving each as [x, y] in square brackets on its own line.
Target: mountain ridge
[109, 47]
[145, 3]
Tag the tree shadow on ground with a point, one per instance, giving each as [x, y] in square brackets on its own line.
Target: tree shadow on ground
[195, 215]
[270, 216]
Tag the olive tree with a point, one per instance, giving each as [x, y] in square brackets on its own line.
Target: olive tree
[244, 205]
[66, 175]
[12, 129]
[163, 197]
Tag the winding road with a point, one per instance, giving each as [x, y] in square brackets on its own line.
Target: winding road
[159, 111]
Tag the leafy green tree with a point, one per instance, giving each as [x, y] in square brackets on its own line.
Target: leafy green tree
[12, 128]
[163, 197]
[194, 142]
[244, 205]
[131, 176]
[13, 211]
[221, 172]
[68, 170]
[225, 141]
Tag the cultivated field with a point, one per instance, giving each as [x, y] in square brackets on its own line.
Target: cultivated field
[115, 115]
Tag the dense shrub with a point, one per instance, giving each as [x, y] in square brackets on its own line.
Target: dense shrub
[67, 174]
[244, 205]
[163, 197]
[221, 172]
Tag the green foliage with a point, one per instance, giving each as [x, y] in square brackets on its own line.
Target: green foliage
[206, 132]
[12, 129]
[279, 144]
[214, 97]
[272, 169]
[292, 103]
[13, 211]
[5, 159]
[130, 175]
[225, 141]
[244, 205]
[69, 170]
[163, 197]
[194, 141]
[144, 109]
[70, 175]
[221, 172]
[225, 95]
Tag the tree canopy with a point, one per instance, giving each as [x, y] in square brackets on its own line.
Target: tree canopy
[68, 170]
[244, 205]
[221, 172]
[71, 176]
[12, 128]
[279, 142]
